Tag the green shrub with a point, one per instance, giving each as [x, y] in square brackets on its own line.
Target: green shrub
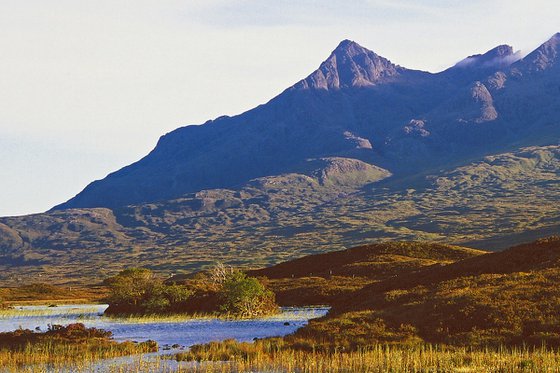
[137, 290]
[245, 296]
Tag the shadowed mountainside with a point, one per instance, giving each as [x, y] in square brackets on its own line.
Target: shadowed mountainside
[356, 105]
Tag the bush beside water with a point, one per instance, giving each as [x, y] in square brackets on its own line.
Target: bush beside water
[222, 291]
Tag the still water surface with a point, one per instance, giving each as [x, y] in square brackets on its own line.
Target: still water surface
[167, 332]
[175, 330]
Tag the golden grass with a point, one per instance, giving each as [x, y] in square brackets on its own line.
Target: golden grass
[63, 346]
[378, 359]
[425, 358]
[172, 318]
[35, 356]
[41, 293]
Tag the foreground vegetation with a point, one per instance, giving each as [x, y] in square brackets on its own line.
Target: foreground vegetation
[274, 356]
[222, 291]
[62, 346]
[506, 298]
[395, 307]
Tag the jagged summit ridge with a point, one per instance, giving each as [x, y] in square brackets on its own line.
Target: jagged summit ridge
[498, 57]
[544, 57]
[350, 65]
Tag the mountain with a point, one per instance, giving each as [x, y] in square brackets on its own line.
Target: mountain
[543, 58]
[351, 65]
[500, 57]
[356, 105]
[315, 118]
[360, 149]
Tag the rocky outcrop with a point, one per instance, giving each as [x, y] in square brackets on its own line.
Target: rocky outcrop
[345, 172]
[483, 99]
[416, 127]
[350, 65]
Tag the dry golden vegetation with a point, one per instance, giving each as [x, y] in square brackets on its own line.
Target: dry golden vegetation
[324, 278]
[273, 356]
[62, 346]
[41, 293]
[403, 306]
[489, 312]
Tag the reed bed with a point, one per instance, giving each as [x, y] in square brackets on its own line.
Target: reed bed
[63, 346]
[388, 359]
[373, 360]
[312, 312]
[65, 357]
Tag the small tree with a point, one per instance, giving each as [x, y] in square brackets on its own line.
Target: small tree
[138, 290]
[131, 286]
[245, 296]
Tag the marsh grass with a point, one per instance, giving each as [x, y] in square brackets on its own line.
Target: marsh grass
[63, 346]
[272, 357]
[308, 313]
[427, 358]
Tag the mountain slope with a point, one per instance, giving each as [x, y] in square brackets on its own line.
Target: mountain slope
[490, 204]
[274, 138]
[354, 96]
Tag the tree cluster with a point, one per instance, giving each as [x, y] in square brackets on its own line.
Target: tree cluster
[222, 290]
[138, 290]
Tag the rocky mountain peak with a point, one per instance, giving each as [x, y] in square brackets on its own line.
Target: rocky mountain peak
[544, 57]
[498, 57]
[350, 65]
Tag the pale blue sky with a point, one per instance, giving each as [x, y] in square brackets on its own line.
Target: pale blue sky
[88, 86]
